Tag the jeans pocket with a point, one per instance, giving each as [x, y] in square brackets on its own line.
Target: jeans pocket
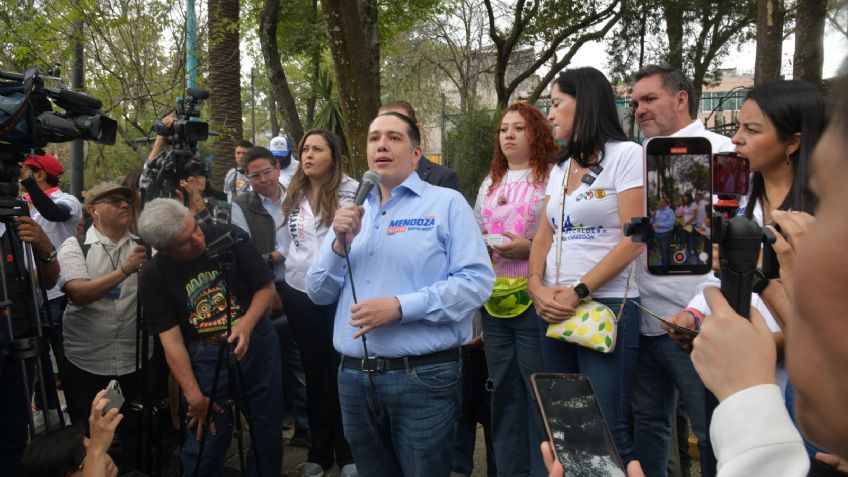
[437, 377]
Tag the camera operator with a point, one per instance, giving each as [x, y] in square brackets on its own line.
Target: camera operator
[58, 214]
[14, 403]
[185, 302]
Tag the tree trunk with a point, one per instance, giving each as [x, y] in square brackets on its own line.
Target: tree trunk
[809, 41]
[225, 106]
[276, 75]
[673, 13]
[272, 112]
[770, 15]
[354, 43]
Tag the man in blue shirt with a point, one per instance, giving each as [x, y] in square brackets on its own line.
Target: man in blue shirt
[663, 223]
[421, 269]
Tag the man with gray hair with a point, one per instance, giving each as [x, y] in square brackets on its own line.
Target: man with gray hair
[661, 99]
[184, 295]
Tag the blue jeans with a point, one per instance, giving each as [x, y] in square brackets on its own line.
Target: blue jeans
[611, 374]
[662, 369]
[513, 353]
[403, 423]
[664, 244]
[261, 366]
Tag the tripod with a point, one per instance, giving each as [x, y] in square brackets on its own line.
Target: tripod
[25, 350]
[220, 251]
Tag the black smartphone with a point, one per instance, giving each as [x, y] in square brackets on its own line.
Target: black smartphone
[677, 187]
[576, 426]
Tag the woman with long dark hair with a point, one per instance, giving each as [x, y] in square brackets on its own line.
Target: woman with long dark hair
[317, 189]
[580, 251]
[509, 207]
[779, 125]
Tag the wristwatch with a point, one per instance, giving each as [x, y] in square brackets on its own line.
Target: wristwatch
[582, 291]
[50, 256]
[761, 281]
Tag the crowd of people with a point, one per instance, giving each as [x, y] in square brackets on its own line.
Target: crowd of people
[387, 323]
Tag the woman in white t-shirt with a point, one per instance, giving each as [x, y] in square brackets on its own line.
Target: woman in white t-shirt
[593, 190]
[317, 189]
[509, 209]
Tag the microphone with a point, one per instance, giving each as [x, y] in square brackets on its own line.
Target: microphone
[369, 180]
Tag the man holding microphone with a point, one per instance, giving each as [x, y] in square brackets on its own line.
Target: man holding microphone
[400, 336]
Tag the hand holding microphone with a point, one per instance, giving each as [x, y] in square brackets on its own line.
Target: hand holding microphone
[348, 219]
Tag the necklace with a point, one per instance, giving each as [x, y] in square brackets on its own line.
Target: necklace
[502, 195]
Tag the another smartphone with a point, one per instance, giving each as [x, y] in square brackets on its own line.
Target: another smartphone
[576, 426]
[114, 395]
[678, 181]
[731, 174]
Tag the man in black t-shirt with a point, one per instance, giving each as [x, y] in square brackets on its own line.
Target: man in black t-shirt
[184, 296]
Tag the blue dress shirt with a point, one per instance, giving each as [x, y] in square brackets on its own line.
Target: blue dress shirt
[664, 219]
[423, 247]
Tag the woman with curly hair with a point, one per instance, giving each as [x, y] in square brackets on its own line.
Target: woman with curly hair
[509, 208]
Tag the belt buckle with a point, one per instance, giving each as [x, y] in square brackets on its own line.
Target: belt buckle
[373, 365]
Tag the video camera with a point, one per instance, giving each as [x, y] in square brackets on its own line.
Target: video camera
[184, 130]
[162, 175]
[28, 121]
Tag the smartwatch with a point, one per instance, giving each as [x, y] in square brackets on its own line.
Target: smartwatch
[582, 291]
[761, 281]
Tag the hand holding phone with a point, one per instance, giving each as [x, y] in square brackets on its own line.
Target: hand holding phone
[576, 426]
[114, 395]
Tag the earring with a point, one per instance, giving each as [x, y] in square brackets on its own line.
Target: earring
[788, 158]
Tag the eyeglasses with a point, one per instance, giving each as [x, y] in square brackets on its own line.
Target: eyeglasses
[115, 201]
[255, 176]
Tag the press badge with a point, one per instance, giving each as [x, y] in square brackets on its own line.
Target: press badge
[114, 293]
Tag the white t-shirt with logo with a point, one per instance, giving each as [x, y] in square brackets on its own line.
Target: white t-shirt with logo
[591, 226]
[302, 234]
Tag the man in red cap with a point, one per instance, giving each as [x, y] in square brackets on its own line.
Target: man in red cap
[58, 214]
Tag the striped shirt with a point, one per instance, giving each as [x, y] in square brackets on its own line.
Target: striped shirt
[100, 337]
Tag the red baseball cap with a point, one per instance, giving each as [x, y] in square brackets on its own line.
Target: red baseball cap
[47, 163]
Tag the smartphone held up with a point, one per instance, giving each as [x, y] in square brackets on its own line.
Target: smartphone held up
[682, 177]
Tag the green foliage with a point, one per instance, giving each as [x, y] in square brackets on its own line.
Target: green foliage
[469, 147]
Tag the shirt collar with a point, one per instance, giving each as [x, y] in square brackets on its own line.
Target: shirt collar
[412, 183]
[93, 236]
[269, 201]
[692, 129]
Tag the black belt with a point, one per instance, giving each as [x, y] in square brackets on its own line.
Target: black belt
[378, 365]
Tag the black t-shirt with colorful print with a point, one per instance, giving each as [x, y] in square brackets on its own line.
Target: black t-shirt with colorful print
[192, 294]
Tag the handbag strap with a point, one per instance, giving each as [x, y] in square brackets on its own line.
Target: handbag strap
[626, 289]
[558, 236]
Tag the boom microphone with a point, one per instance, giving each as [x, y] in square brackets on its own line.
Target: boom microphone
[369, 180]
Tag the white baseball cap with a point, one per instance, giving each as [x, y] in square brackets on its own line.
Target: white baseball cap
[280, 146]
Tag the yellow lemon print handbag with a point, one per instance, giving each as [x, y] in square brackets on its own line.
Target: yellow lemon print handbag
[593, 325]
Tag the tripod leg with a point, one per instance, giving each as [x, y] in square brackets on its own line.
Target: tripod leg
[239, 375]
[208, 421]
[234, 385]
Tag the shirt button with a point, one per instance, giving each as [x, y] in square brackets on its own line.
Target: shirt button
[372, 254]
[383, 213]
[376, 227]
